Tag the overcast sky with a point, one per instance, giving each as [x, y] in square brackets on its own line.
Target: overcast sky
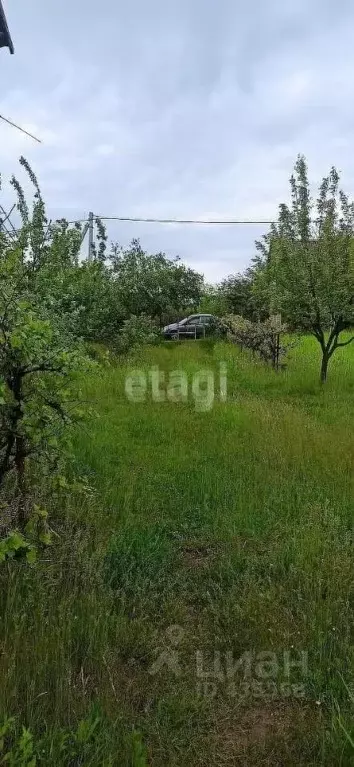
[178, 108]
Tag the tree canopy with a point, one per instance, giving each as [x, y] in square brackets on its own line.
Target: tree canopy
[306, 265]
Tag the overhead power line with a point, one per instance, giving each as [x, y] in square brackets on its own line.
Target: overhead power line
[212, 222]
[19, 128]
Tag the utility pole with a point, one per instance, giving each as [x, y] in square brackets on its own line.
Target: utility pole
[90, 237]
[6, 220]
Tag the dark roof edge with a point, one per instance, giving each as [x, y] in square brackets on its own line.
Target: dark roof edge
[8, 41]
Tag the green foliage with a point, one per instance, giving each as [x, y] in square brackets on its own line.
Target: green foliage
[153, 284]
[79, 746]
[91, 296]
[15, 546]
[37, 527]
[39, 350]
[213, 301]
[137, 331]
[308, 262]
[99, 353]
[236, 295]
[37, 534]
[239, 298]
[21, 752]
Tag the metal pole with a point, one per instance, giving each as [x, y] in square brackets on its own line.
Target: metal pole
[90, 238]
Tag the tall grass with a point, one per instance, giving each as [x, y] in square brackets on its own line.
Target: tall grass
[236, 525]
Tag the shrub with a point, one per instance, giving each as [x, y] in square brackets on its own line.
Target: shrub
[137, 331]
[262, 338]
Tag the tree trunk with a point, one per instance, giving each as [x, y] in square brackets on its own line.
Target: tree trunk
[20, 465]
[324, 367]
[19, 450]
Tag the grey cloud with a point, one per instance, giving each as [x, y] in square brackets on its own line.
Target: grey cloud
[178, 109]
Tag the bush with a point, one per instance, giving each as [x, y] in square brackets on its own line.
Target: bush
[262, 338]
[137, 331]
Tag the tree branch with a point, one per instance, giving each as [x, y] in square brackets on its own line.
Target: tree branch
[345, 343]
[44, 367]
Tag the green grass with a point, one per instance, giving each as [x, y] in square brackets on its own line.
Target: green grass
[236, 525]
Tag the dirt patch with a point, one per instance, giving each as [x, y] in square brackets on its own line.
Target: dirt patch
[251, 544]
[275, 735]
[197, 555]
[259, 724]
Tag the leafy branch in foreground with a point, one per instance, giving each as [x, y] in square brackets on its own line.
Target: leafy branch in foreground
[39, 353]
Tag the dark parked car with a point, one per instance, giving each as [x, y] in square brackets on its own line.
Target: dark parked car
[194, 326]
